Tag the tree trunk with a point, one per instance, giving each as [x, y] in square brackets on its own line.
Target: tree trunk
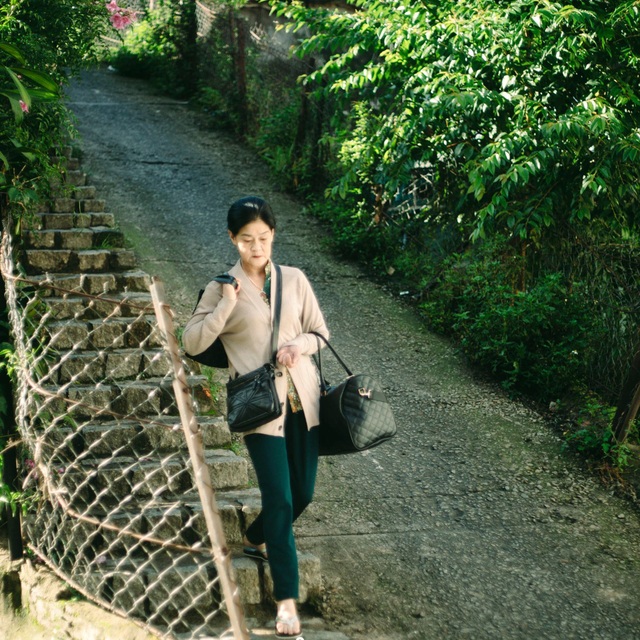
[238, 51]
[189, 46]
[629, 402]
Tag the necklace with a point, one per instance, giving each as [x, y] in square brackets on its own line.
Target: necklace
[258, 287]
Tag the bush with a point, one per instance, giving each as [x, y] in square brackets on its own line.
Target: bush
[43, 43]
[535, 340]
[153, 49]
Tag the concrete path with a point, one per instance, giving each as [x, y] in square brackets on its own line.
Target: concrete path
[472, 523]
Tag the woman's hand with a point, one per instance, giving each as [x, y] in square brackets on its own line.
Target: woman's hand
[231, 292]
[288, 355]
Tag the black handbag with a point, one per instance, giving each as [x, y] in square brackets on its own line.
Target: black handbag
[214, 355]
[354, 415]
[252, 399]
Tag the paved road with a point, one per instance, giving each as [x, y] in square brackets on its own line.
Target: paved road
[472, 523]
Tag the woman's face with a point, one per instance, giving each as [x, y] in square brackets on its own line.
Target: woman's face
[254, 242]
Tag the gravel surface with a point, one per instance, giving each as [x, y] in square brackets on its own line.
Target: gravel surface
[472, 523]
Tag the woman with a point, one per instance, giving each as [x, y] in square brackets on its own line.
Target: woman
[284, 452]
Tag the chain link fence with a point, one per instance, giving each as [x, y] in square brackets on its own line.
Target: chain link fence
[605, 269]
[609, 272]
[118, 474]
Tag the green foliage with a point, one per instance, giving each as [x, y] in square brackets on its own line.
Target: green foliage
[20, 142]
[350, 226]
[213, 389]
[148, 49]
[9, 498]
[153, 49]
[590, 434]
[275, 111]
[43, 42]
[59, 36]
[214, 103]
[535, 340]
[525, 115]
[219, 91]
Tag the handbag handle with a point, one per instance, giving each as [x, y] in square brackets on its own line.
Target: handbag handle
[323, 384]
[276, 315]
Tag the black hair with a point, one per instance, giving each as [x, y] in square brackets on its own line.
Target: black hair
[247, 210]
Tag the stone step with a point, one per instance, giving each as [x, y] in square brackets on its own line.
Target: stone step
[92, 205]
[159, 593]
[128, 399]
[94, 283]
[46, 219]
[135, 438]
[86, 192]
[81, 203]
[180, 521]
[82, 238]
[58, 221]
[88, 480]
[40, 261]
[139, 332]
[110, 305]
[111, 366]
[188, 589]
[70, 164]
[75, 177]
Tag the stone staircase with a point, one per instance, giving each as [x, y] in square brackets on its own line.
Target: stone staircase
[131, 474]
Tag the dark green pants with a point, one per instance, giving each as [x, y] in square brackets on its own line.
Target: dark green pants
[286, 469]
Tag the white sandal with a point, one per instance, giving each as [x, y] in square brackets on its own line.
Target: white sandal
[289, 622]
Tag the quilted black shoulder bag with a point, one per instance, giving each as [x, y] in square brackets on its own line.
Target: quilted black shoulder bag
[252, 399]
[354, 415]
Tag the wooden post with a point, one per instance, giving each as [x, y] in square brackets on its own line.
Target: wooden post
[206, 491]
[9, 431]
[189, 53]
[629, 402]
[239, 47]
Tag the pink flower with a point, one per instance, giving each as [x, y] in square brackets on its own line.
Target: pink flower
[24, 106]
[118, 21]
[120, 17]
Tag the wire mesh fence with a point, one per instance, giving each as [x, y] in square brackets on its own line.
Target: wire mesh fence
[117, 506]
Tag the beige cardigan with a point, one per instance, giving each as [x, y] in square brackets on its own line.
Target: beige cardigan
[244, 327]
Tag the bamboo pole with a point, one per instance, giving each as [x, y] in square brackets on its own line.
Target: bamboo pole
[206, 491]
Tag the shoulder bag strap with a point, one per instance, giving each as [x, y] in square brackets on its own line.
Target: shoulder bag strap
[276, 314]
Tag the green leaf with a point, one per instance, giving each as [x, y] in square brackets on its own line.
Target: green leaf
[24, 94]
[12, 51]
[42, 79]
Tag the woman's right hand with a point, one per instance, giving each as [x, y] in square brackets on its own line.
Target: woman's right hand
[231, 292]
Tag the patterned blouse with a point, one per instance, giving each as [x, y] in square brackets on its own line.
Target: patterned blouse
[292, 394]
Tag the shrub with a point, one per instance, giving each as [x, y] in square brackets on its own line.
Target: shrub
[535, 340]
[154, 47]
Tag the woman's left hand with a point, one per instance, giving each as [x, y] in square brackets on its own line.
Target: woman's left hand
[288, 355]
